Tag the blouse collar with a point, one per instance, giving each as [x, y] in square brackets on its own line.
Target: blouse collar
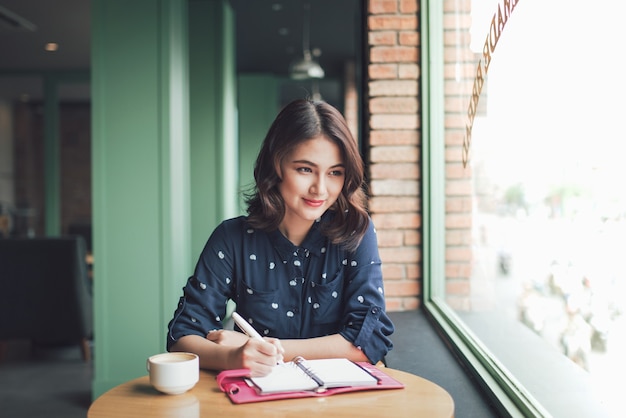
[314, 242]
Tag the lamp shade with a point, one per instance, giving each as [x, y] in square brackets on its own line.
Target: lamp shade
[305, 68]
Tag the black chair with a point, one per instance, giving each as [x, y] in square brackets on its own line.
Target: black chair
[44, 292]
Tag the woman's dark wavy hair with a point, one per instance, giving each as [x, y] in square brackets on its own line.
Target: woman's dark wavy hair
[296, 123]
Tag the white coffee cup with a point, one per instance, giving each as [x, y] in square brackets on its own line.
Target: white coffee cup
[173, 373]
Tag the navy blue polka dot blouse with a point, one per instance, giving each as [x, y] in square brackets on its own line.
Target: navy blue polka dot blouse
[287, 291]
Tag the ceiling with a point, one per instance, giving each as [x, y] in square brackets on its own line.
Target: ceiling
[268, 32]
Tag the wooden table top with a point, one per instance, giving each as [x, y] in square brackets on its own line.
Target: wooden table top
[137, 398]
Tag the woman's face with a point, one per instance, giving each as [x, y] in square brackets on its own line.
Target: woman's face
[312, 179]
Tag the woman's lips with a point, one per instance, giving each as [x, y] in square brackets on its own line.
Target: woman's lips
[314, 203]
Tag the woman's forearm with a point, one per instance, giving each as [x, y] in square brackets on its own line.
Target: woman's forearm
[331, 346]
[225, 350]
[212, 356]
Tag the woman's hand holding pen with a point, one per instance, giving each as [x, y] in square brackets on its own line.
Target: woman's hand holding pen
[271, 348]
[256, 353]
[259, 355]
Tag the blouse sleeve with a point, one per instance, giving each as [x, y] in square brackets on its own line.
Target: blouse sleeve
[202, 306]
[367, 325]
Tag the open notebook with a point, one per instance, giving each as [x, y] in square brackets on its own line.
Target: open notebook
[317, 375]
[304, 378]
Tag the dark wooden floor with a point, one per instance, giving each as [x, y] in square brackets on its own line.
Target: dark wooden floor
[44, 383]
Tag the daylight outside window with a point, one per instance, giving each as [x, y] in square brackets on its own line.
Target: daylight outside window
[535, 223]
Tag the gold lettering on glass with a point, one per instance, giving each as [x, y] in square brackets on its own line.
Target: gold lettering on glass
[498, 22]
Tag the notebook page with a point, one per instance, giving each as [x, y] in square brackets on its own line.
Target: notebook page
[339, 372]
[285, 377]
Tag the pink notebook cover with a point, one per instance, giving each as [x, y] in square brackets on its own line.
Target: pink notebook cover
[233, 384]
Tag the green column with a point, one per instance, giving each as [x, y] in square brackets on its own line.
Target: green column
[52, 159]
[140, 179]
[259, 103]
[213, 117]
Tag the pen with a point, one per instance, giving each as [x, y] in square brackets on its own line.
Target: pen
[246, 327]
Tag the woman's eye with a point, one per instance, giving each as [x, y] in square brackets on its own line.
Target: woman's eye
[303, 169]
[336, 173]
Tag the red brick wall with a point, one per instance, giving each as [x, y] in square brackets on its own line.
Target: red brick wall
[393, 98]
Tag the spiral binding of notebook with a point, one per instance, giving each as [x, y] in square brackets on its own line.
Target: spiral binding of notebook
[302, 364]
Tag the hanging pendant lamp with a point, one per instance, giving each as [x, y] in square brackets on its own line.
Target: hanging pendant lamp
[305, 67]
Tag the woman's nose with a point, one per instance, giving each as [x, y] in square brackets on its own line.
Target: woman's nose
[319, 186]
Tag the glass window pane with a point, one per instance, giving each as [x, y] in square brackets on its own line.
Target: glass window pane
[535, 212]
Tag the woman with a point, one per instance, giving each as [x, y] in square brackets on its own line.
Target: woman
[303, 267]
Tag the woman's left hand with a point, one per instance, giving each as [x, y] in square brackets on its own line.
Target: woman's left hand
[227, 337]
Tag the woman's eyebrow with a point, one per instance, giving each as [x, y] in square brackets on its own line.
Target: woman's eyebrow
[311, 163]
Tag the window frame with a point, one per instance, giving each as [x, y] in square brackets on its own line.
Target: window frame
[508, 395]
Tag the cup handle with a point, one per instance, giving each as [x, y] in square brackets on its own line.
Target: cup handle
[148, 366]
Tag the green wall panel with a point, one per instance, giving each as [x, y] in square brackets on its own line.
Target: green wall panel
[52, 159]
[135, 158]
[258, 104]
[164, 169]
[213, 117]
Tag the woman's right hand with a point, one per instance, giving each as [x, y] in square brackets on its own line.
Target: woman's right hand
[259, 356]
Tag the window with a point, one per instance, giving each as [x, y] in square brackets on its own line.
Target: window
[525, 213]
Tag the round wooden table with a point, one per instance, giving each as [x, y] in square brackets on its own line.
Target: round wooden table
[137, 398]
